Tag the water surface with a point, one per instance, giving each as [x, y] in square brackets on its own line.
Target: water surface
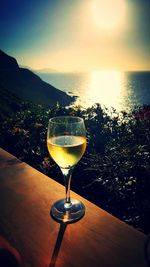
[121, 90]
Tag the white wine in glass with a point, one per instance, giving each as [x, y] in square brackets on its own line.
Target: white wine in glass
[66, 141]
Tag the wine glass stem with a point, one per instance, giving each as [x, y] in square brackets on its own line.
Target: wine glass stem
[67, 173]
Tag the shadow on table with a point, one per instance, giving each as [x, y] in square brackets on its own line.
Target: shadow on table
[8, 259]
[58, 244]
[9, 256]
[63, 226]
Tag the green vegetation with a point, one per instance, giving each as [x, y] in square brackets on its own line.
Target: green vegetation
[115, 170]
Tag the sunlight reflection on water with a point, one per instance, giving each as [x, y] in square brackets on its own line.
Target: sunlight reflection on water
[121, 90]
[107, 88]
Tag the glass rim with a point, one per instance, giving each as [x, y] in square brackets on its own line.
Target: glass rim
[54, 119]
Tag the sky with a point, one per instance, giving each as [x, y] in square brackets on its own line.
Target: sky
[77, 35]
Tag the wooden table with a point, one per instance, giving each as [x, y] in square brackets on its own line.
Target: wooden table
[97, 240]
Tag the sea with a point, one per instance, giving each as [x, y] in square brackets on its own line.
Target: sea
[121, 90]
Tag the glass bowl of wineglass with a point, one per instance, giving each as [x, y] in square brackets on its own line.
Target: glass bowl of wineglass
[66, 142]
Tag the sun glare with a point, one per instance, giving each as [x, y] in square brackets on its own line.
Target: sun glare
[108, 15]
[107, 87]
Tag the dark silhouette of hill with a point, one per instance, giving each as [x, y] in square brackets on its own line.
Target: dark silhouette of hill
[23, 84]
[7, 62]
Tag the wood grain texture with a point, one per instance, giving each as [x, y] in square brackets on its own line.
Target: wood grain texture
[97, 240]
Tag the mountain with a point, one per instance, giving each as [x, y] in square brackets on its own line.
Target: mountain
[25, 85]
[7, 62]
[46, 70]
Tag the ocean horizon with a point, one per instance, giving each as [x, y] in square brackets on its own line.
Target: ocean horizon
[117, 89]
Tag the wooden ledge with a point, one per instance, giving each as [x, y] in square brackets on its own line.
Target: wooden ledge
[97, 240]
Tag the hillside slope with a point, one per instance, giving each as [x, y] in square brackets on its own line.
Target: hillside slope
[26, 85]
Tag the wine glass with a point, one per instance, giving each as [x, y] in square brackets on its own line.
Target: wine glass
[66, 142]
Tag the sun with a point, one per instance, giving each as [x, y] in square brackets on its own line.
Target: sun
[108, 15]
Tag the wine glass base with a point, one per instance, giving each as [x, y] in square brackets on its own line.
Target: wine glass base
[67, 213]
